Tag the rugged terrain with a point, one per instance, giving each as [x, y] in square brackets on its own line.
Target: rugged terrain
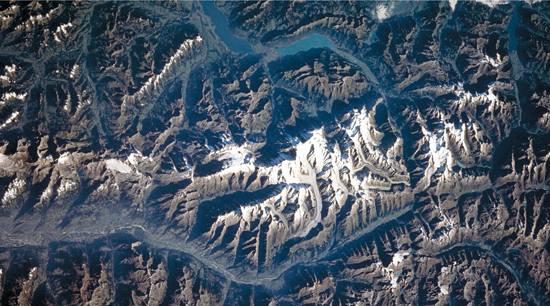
[149, 158]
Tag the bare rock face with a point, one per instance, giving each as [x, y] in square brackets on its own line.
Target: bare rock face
[170, 153]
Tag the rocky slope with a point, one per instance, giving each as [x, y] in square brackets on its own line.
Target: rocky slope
[144, 161]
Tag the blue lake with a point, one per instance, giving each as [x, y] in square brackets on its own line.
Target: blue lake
[512, 26]
[313, 41]
[222, 29]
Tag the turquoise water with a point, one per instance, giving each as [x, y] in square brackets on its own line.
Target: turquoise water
[313, 41]
[222, 29]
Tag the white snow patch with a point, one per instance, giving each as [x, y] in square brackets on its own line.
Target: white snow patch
[361, 127]
[457, 132]
[115, 164]
[66, 185]
[136, 158]
[399, 257]
[453, 4]
[9, 120]
[63, 28]
[14, 189]
[301, 171]
[32, 273]
[81, 103]
[12, 96]
[158, 81]
[9, 71]
[64, 158]
[74, 71]
[382, 12]
[392, 275]
[337, 184]
[67, 106]
[493, 3]
[46, 195]
[61, 31]
[235, 156]
[493, 62]
[444, 289]
[439, 154]
[3, 158]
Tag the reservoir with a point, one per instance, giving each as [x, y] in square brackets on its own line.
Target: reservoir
[313, 41]
[222, 29]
